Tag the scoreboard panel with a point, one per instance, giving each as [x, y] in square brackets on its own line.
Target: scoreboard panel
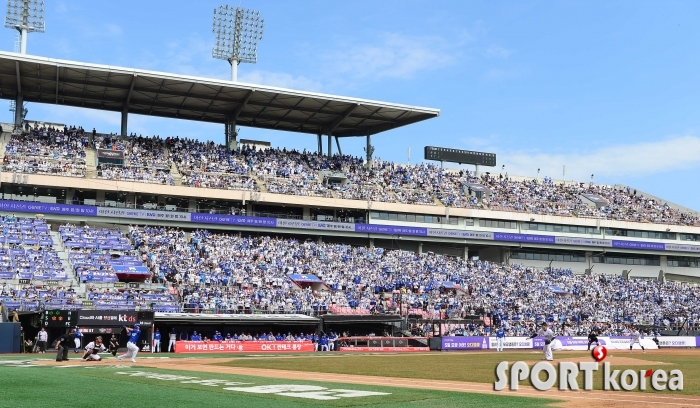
[59, 318]
[460, 156]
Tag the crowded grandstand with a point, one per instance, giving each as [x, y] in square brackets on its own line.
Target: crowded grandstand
[96, 221]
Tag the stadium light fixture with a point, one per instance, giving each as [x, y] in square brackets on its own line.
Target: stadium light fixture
[25, 16]
[238, 32]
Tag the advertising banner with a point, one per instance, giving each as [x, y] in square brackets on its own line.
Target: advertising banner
[243, 347]
[113, 318]
[677, 341]
[142, 214]
[234, 220]
[511, 343]
[42, 208]
[581, 343]
[317, 225]
[385, 349]
[464, 343]
[623, 343]
[110, 154]
[131, 270]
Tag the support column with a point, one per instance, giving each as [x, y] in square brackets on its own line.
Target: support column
[231, 136]
[369, 150]
[589, 259]
[320, 145]
[371, 242]
[505, 255]
[234, 70]
[125, 120]
[663, 262]
[420, 248]
[19, 107]
[337, 143]
[23, 41]
[330, 147]
[466, 253]
[320, 240]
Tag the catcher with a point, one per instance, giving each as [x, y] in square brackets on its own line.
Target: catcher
[92, 350]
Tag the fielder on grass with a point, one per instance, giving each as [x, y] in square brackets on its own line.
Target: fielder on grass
[131, 346]
[500, 336]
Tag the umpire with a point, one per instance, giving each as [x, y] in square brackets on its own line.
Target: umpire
[114, 345]
[63, 344]
[593, 338]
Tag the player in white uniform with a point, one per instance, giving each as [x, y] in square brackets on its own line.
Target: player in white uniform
[548, 335]
[635, 338]
[92, 350]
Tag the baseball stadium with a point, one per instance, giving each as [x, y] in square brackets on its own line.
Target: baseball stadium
[281, 261]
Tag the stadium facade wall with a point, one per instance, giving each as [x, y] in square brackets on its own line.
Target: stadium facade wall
[282, 199]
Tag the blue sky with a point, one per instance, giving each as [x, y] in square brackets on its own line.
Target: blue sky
[605, 88]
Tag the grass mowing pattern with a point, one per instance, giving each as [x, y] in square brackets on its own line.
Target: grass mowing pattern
[101, 386]
[464, 366]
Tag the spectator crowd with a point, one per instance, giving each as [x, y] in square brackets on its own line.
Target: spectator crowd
[281, 171]
[231, 273]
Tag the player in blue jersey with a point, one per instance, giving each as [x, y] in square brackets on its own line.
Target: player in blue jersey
[324, 342]
[77, 339]
[331, 341]
[500, 337]
[132, 346]
[156, 342]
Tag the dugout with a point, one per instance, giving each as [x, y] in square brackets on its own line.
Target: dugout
[207, 323]
[362, 325]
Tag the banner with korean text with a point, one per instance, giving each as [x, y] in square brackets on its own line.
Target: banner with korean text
[243, 347]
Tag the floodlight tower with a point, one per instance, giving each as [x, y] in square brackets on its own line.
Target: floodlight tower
[238, 31]
[24, 16]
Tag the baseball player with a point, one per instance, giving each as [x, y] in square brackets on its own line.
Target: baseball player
[156, 342]
[92, 350]
[500, 337]
[635, 338]
[331, 341]
[593, 338]
[77, 336]
[548, 335]
[131, 347]
[324, 342]
[173, 339]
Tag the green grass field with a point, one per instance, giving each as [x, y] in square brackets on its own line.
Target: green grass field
[105, 385]
[471, 367]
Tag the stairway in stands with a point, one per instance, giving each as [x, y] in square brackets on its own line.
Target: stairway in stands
[91, 162]
[177, 177]
[63, 256]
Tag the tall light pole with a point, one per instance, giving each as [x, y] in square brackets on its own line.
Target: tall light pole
[238, 31]
[24, 16]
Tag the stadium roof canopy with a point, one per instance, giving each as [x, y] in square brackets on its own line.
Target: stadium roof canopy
[70, 83]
